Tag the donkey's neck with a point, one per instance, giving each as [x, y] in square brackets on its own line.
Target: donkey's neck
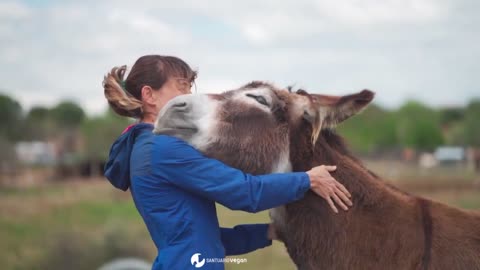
[369, 188]
[377, 211]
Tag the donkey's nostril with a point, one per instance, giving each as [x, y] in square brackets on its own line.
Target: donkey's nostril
[180, 105]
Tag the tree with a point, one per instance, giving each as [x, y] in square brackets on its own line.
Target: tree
[38, 113]
[472, 123]
[372, 130]
[10, 118]
[419, 126]
[100, 132]
[451, 116]
[67, 114]
[38, 124]
[67, 118]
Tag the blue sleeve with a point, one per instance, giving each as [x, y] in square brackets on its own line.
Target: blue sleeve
[182, 165]
[246, 238]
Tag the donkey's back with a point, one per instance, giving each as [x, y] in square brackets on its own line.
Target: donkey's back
[408, 233]
[455, 238]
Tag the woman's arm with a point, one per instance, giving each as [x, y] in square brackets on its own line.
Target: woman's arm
[245, 238]
[182, 165]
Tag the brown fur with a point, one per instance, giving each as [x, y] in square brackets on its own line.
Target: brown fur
[240, 153]
[385, 229]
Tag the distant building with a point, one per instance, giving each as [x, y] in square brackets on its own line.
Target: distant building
[36, 153]
[450, 154]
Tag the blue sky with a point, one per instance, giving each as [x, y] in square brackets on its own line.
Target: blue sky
[402, 49]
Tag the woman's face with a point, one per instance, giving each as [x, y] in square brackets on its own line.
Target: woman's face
[172, 88]
[155, 99]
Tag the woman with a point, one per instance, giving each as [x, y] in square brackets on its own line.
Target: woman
[175, 187]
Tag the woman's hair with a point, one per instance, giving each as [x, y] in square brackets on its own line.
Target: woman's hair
[125, 96]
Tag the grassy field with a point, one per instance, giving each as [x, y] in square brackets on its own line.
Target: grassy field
[82, 224]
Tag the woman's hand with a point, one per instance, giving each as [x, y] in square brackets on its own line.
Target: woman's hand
[323, 184]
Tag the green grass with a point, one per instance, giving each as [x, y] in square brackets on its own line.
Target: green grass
[34, 221]
[270, 258]
[91, 213]
[79, 225]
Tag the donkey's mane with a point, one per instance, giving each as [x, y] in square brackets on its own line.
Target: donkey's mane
[337, 144]
[258, 84]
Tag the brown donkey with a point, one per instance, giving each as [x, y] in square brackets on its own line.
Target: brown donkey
[261, 129]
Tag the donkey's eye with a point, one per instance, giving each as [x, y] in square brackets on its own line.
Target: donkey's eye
[259, 99]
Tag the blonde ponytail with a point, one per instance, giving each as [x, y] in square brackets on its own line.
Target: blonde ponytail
[120, 100]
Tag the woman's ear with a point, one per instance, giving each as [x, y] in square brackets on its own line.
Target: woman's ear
[148, 95]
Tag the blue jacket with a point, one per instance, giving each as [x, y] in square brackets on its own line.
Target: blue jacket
[175, 188]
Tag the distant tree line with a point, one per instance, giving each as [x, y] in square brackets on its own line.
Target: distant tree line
[79, 136]
[413, 125]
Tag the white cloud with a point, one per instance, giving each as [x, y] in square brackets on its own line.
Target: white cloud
[256, 33]
[373, 12]
[12, 10]
[399, 48]
[279, 21]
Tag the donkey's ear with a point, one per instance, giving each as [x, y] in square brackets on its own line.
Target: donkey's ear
[336, 109]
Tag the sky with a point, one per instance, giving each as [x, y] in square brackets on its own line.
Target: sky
[428, 50]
